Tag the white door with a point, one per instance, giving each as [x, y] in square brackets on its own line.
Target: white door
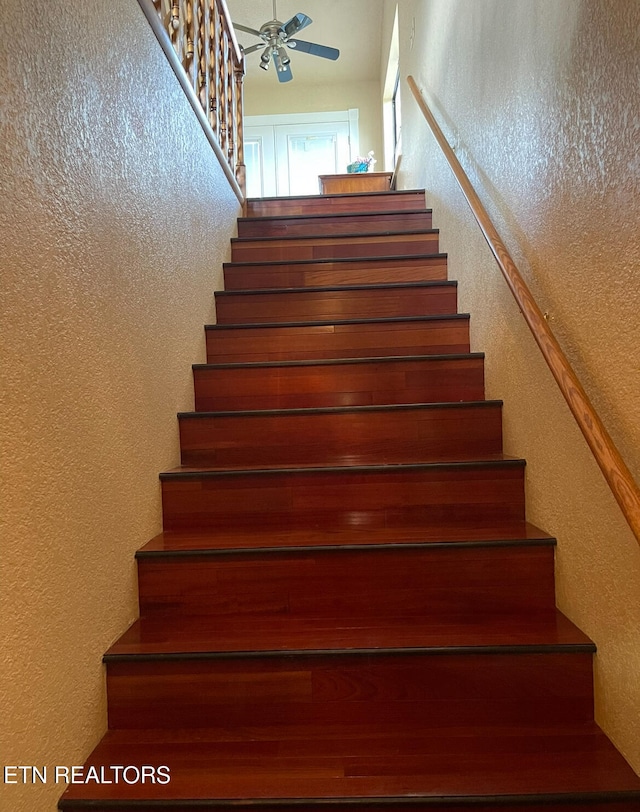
[260, 160]
[285, 157]
[304, 151]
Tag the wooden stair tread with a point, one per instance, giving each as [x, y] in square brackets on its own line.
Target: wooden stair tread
[382, 407]
[320, 304]
[331, 214]
[227, 294]
[334, 222]
[338, 338]
[385, 242]
[308, 383]
[322, 238]
[351, 198]
[466, 765]
[258, 635]
[259, 273]
[464, 317]
[387, 463]
[342, 262]
[313, 272]
[311, 538]
[338, 435]
[324, 362]
[490, 461]
[318, 204]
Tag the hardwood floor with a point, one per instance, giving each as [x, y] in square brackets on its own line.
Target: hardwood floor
[347, 607]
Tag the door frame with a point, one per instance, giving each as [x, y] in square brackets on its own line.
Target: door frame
[266, 124]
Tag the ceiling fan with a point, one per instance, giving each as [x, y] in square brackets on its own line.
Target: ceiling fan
[277, 35]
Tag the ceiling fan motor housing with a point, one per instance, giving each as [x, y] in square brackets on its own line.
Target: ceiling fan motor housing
[276, 35]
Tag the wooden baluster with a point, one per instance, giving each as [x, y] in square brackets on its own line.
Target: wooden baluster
[214, 26]
[203, 40]
[175, 14]
[222, 116]
[241, 169]
[229, 77]
[174, 26]
[201, 43]
[190, 64]
[207, 91]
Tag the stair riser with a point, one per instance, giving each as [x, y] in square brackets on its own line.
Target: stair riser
[286, 250]
[341, 499]
[342, 438]
[262, 308]
[301, 226]
[307, 692]
[339, 272]
[306, 342]
[363, 384]
[339, 203]
[369, 585]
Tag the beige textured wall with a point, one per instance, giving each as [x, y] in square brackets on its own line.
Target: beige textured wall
[541, 99]
[114, 219]
[365, 96]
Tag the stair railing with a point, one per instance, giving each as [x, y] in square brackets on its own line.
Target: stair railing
[608, 457]
[198, 40]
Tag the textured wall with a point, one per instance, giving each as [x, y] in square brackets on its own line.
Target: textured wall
[115, 217]
[541, 100]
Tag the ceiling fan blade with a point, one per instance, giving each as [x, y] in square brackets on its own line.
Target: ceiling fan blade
[284, 73]
[313, 48]
[295, 24]
[247, 30]
[252, 48]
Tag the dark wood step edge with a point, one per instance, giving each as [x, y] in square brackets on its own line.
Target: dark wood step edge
[384, 407]
[330, 260]
[426, 651]
[570, 798]
[384, 359]
[331, 215]
[350, 195]
[319, 549]
[368, 235]
[338, 288]
[469, 465]
[330, 322]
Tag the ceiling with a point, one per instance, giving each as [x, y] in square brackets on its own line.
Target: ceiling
[352, 26]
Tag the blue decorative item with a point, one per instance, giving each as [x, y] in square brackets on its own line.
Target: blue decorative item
[361, 164]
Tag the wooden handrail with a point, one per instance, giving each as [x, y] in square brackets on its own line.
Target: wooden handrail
[199, 42]
[608, 457]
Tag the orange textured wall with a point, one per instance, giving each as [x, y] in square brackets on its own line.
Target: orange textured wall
[540, 100]
[115, 217]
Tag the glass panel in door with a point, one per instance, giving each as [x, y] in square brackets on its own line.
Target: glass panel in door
[309, 156]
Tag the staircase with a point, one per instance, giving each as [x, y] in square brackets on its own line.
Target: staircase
[347, 607]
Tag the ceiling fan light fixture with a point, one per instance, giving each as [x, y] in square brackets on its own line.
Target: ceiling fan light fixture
[265, 58]
[283, 57]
